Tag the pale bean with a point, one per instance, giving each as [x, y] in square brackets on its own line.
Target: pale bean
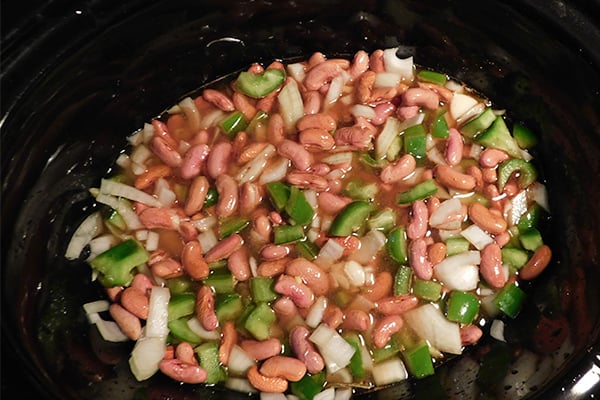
[419, 220]
[449, 177]
[183, 372]
[491, 265]
[486, 220]
[296, 153]
[421, 97]
[142, 282]
[205, 308]
[224, 248]
[289, 368]
[454, 147]
[193, 262]
[445, 93]
[151, 175]
[364, 87]
[382, 287]
[333, 316]
[382, 112]
[218, 99]
[316, 138]
[165, 152]
[319, 121]
[249, 197]
[298, 292]
[250, 152]
[395, 305]
[406, 112]
[136, 302]
[286, 311]
[536, 264]
[188, 231]
[193, 160]
[310, 273]
[272, 252]
[357, 137]
[385, 328]
[228, 340]
[266, 384]
[196, 195]
[477, 174]
[261, 350]
[218, 159]
[228, 201]
[167, 268]
[490, 158]
[304, 349]
[244, 104]
[418, 260]
[239, 264]
[261, 226]
[321, 74]
[129, 324]
[376, 61]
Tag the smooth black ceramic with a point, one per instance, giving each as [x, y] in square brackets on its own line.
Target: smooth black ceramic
[79, 76]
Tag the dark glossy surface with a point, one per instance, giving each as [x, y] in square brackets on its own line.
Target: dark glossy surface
[78, 77]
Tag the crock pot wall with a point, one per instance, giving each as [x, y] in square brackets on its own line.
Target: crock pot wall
[91, 82]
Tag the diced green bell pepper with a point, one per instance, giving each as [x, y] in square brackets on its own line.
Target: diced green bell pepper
[181, 305]
[479, 124]
[234, 123]
[298, 208]
[432, 76]
[212, 197]
[360, 191]
[510, 299]
[514, 257]
[116, 263]
[397, 245]
[356, 366]
[228, 306]
[283, 234]
[260, 85]
[427, 290]
[221, 282]
[526, 170]
[531, 239]
[403, 280]
[307, 249]
[210, 362]
[351, 218]
[418, 360]
[419, 192]
[258, 323]
[309, 386]
[262, 289]
[524, 137]
[230, 225]
[463, 307]
[279, 193]
[497, 136]
[415, 141]
[456, 245]
[439, 127]
[383, 220]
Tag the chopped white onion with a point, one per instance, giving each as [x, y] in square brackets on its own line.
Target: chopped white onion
[389, 371]
[141, 235]
[158, 313]
[343, 393]
[152, 241]
[435, 156]
[119, 189]
[463, 277]
[334, 349]
[207, 240]
[338, 158]
[147, 132]
[390, 131]
[140, 154]
[370, 245]
[355, 273]
[212, 118]
[316, 312]
[431, 325]
[297, 71]
[454, 86]
[239, 361]
[167, 197]
[516, 207]
[275, 171]
[402, 66]
[537, 192]
[387, 79]
[253, 168]
[137, 169]
[326, 394]
[240, 385]
[441, 217]
[88, 229]
[196, 326]
[147, 353]
[123, 160]
[335, 89]
[272, 396]
[136, 138]
[497, 330]
[470, 114]
[290, 104]
[97, 306]
[110, 331]
[476, 236]
[100, 244]
[460, 104]
[191, 113]
[206, 223]
[362, 110]
[329, 253]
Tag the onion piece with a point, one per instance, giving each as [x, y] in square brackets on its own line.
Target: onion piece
[441, 217]
[338, 158]
[94, 307]
[431, 325]
[460, 104]
[329, 253]
[290, 104]
[464, 277]
[470, 114]
[191, 113]
[343, 393]
[516, 208]
[476, 236]
[362, 110]
[239, 361]
[119, 189]
[334, 349]
[402, 66]
[389, 371]
[158, 313]
[497, 330]
[275, 171]
[326, 394]
[251, 171]
[387, 79]
[100, 244]
[196, 326]
[297, 71]
[152, 241]
[390, 130]
[240, 385]
[147, 353]
[109, 330]
[370, 245]
[537, 192]
[316, 312]
[335, 89]
[207, 240]
[88, 229]
[355, 273]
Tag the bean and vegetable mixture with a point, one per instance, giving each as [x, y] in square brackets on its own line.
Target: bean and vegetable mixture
[315, 227]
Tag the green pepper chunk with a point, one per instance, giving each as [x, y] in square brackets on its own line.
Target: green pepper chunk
[309, 386]
[526, 170]
[439, 128]
[432, 76]
[427, 290]
[212, 197]
[462, 307]
[403, 281]
[524, 137]
[307, 249]
[259, 85]
[228, 306]
[262, 289]
[509, 300]
[479, 123]
[283, 234]
[418, 360]
[116, 263]
[397, 245]
[419, 192]
[531, 239]
[351, 218]
[415, 141]
[234, 123]
[279, 193]
[180, 329]
[181, 305]
[514, 257]
[259, 321]
[231, 225]
[356, 366]
[530, 218]
[298, 208]
[208, 353]
[498, 137]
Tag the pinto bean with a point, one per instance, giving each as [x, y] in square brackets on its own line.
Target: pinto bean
[273, 252]
[360, 64]
[321, 74]
[418, 260]
[185, 352]
[399, 169]
[333, 316]
[151, 175]
[142, 282]
[129, 324]
[266, 384]
[385, 328]
[218, 99]
[239, 265]
[224, 248]
[156, 218]
[316, 138]
[486, 220]
[167, 268]
[436, 252]
[421, 97]
[272, 268]
[275, 129]
[165, 152]
[310, 273]
[300, 293]
[491, 265]
[490, 158]
[136, 302]
[536, 264]
[188, 231]
[196, 195]
[312, 102]
[355, 136]
[454, 147]
[286, 311]
[296, 153]
[356, 320]
[381, 288]
[161, 130]
[193, 262]
[218, 159]
[249, 197]
[228, 340]
[228, 201]
[205, 308]
[365, 86]
[307, 180]
[417, 228]
[261, 350]
[193, 160]
[317, 121]
[382, 112]
[304, 349]
[182, 371]
[289, 368]
[449, 177]
[376, 61]
[395, 305]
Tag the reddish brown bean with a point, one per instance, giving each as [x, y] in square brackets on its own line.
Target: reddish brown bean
[136, 302]
[304, 349]
[536, 264]
[205, 308]
[395, 305]
[261, 350]
[385, 328]
[491, 265]
[284, 367]
[310, 273]
[224, 248]
[129, 324]
[193, 262]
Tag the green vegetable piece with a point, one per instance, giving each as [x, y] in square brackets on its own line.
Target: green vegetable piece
[397, 245]
[234, 123]
[262, 289]
[260, 119]
[403, 280]
[368, 160]
[439, 128]
[419, 192]
[283, 234]
[383, 220]
[360, 191]
[351, 218]
[212, 197]
[526, 170]
[418, 360]
[531, 239]
[181, 305]
[497, 136]
[260, 85]
[231, 225]
[415, 141]
[510, 299]
[116, 263]
[427, 290]
[432, 76]
[258, 323]
[391, 348]
[279, 193]
[228, 307]
[463, 307]
[456, 245]
[179, 285]
[181, 331]
[531, 217]
[115, 219]
[515, 258]
[307, 249]
[210, 362]
[298, 208]
[221, 282]
[524, 137]
[309, 386]
[356, 365]
[395, 148]
[479, 123]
